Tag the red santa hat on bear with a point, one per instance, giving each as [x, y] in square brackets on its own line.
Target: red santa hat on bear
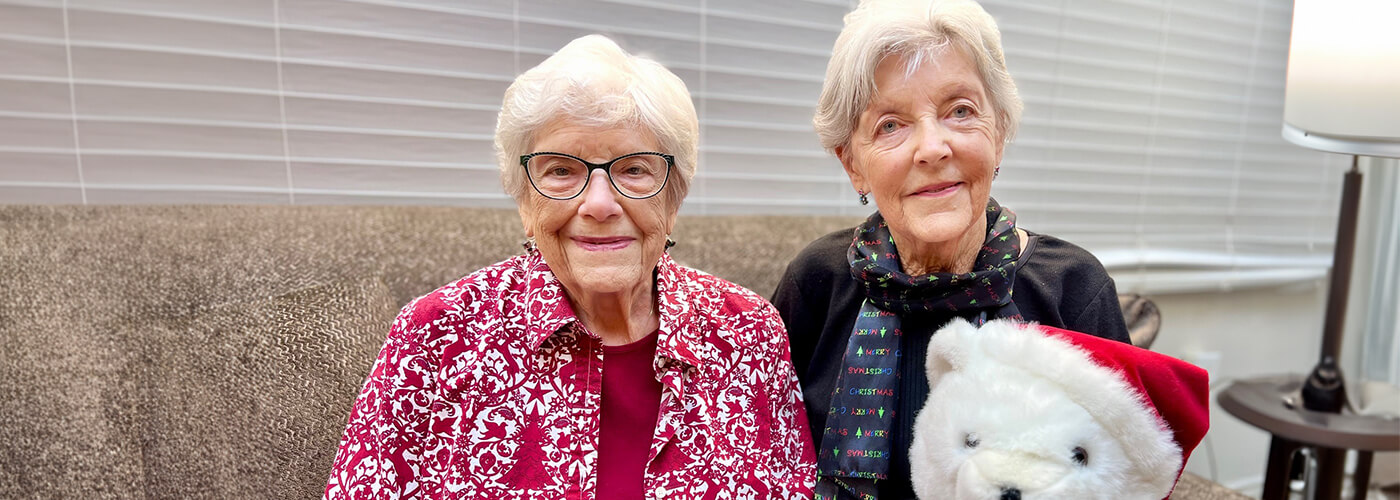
[1026, 411]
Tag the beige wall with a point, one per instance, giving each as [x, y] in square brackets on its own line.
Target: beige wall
[1257, 332]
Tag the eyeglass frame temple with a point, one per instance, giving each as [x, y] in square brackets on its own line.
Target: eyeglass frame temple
[605, 167]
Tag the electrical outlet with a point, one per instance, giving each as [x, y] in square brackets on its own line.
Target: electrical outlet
[1208, 361]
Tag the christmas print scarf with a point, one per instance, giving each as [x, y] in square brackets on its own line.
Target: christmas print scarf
[856, 444]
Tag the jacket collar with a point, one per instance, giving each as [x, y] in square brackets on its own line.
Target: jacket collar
[547, 309]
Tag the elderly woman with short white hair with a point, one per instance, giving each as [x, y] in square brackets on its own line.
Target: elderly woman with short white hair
[918, 106]
[592, 365]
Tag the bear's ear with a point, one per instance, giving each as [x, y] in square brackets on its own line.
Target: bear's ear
[949, 349]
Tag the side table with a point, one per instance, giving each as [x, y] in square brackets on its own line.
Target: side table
[1272, 404]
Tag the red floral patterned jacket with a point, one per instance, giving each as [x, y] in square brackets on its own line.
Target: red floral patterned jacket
[489, 388]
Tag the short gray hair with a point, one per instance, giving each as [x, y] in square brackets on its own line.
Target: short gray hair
[916, 31]
[594, 82]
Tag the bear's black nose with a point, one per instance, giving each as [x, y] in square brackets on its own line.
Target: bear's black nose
[1010, 494]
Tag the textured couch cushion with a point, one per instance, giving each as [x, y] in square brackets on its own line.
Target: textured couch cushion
[119, 324]
[242, 400]
[214, 352]
[274, 379]
[172, 257]
[1193, 487]
[166, 260]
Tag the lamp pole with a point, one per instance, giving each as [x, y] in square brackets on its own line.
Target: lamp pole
[1324, 389]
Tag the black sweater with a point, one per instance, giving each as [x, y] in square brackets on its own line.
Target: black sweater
[1057, 284]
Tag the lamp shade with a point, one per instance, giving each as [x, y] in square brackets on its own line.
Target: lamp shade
[1343, 84]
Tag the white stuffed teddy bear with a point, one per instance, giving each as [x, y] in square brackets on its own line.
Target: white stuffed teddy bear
[1025, 412]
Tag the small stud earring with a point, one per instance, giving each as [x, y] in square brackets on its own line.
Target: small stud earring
[996, 172]
[528, 245]
[863, 199]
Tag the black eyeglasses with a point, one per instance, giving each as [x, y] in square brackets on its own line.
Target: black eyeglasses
[561, 177]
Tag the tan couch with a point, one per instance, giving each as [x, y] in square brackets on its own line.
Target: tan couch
[213, 352]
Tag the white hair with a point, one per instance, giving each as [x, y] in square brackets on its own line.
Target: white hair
[592, 81]
[915, 31]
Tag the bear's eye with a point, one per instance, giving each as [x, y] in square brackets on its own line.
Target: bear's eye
[971, 440]
[1080, 457]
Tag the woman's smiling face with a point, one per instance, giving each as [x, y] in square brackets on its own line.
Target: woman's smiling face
[926, 149]
[599, 241]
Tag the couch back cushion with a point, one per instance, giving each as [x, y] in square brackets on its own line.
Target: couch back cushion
[214, 352]
[239, 400]
[271, 378]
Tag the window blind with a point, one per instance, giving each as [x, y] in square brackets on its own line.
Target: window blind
[1151, 131]
[1151, 136]
[372, 101]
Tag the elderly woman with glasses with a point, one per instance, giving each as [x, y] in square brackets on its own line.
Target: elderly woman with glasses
[917, 105]
[591, 366]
